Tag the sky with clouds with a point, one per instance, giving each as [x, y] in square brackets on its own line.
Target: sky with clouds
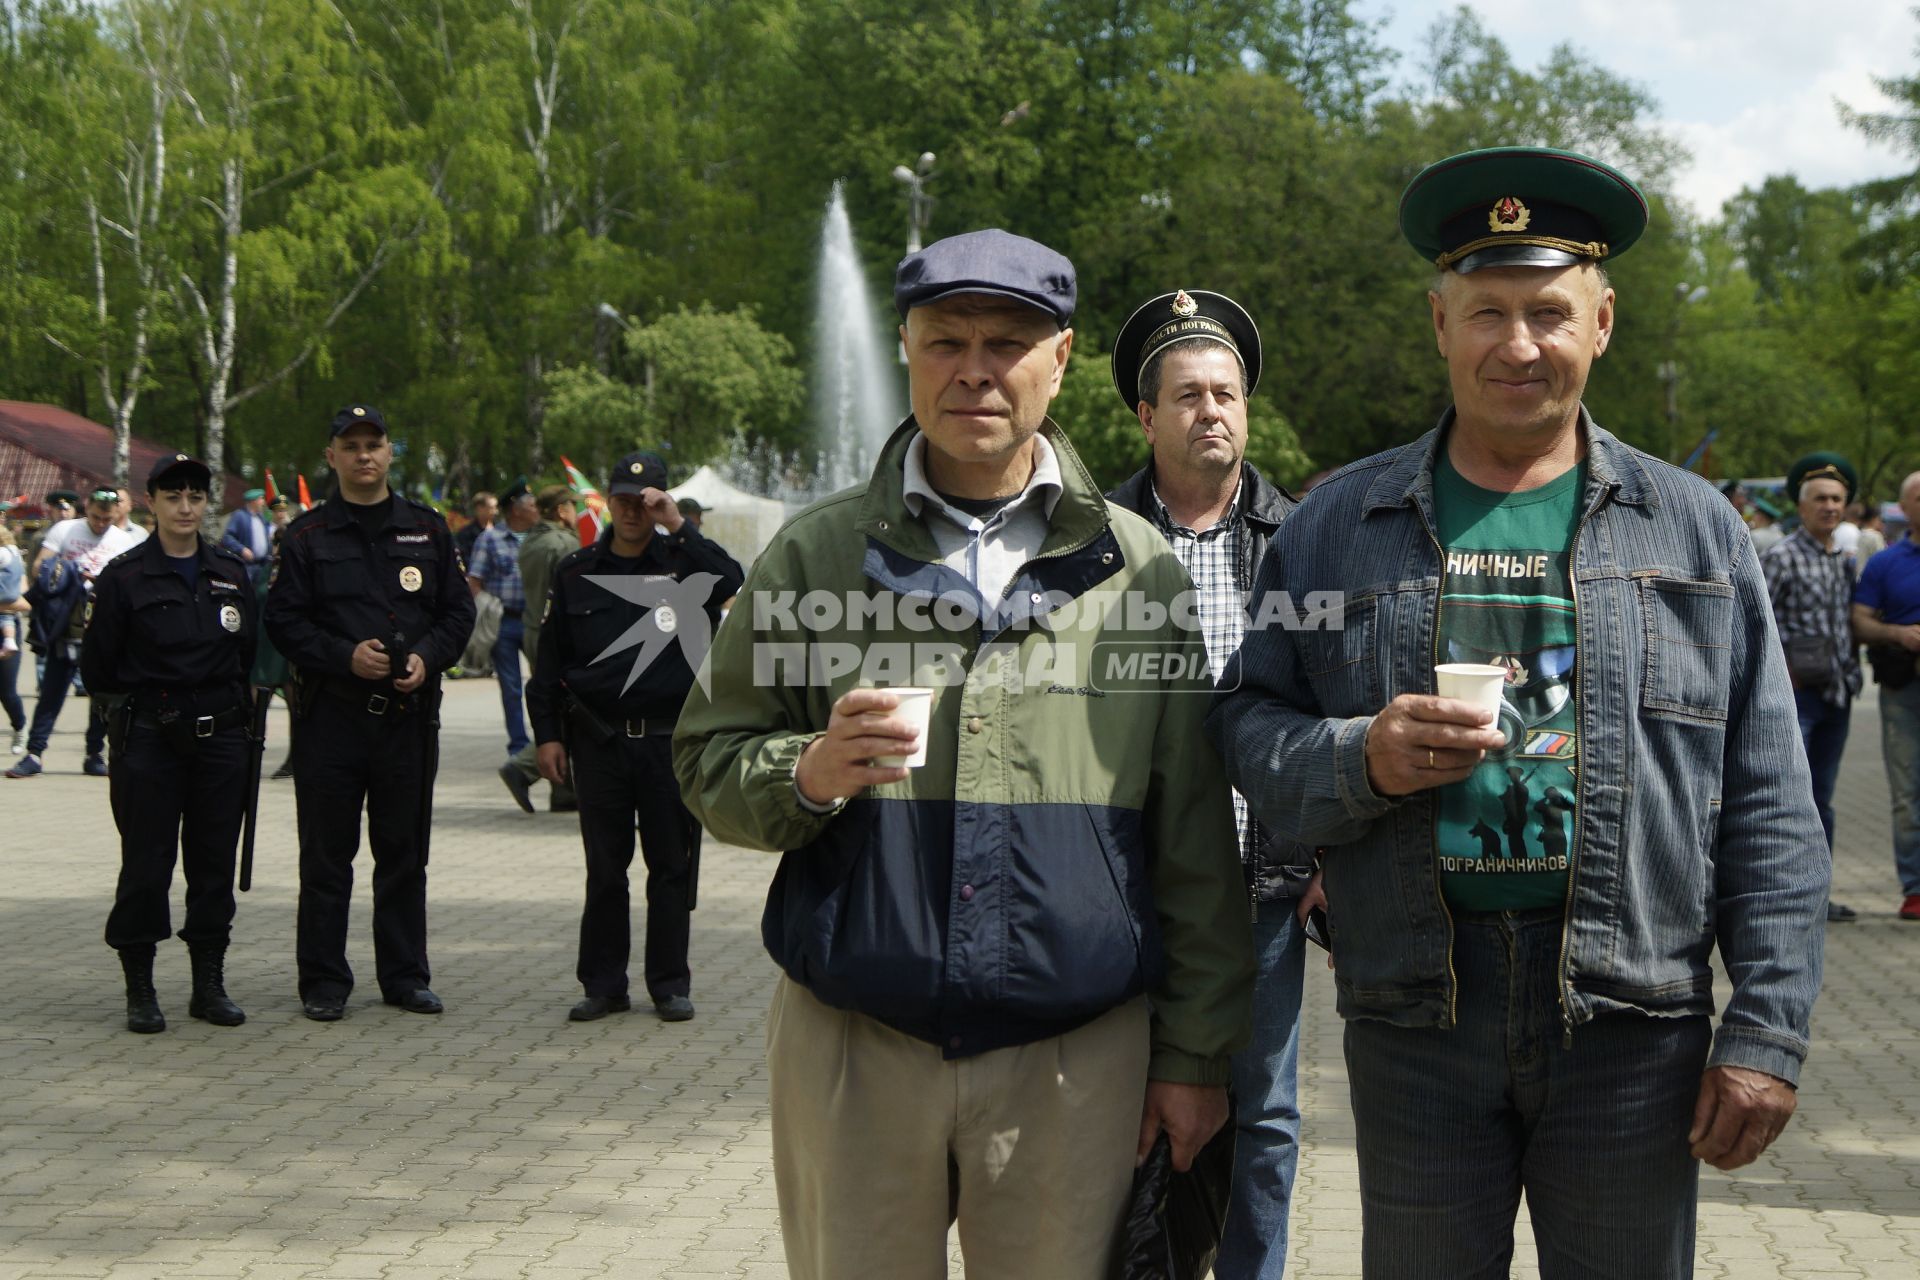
[1748, 86]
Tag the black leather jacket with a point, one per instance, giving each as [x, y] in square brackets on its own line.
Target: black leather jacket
[1277, 869]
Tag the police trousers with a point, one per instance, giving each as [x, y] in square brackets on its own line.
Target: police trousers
[346, 758]
[172, 791]
[623, 783]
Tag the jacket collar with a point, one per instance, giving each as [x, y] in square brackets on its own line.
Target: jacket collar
[153, 557]
[399, 514]
[1079, 513]
[1261, 501]
[1611, 467]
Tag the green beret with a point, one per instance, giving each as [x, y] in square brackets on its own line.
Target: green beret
[1176, 317]
[251, 494]
[1520, 207]
[1822, 466]
[1763, 502]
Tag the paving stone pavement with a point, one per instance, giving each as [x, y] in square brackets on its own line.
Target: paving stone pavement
[500, 1140]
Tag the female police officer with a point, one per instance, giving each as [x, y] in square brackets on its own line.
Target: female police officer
[171, 637]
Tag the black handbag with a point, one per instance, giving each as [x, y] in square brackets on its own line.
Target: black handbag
[1810, 661]
[1893, 665]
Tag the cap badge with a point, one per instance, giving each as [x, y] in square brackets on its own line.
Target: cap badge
[635, 468]
[410, 579]
[179, 457]
[230, 617]
[1184, 305]
[358, 412]
[667, 620]
[1508, 214]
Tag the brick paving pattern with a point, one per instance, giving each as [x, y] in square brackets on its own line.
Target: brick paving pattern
[500, 1140]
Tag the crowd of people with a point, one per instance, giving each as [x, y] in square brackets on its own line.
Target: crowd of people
[1065, 783]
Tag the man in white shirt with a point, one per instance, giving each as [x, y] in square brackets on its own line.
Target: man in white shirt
[86, 544]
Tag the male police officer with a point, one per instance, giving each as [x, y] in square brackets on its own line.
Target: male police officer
[1185, 363]
[1535, 1019]
[616, 661]
[171, 636]
[369, 604]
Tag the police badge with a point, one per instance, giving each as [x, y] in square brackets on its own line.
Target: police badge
[410, 578]
[230, 617]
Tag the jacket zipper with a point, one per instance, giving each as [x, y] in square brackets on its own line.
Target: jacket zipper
[1439, 895]
[1564, 993]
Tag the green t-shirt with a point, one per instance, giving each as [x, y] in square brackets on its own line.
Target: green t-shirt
[1504, 835]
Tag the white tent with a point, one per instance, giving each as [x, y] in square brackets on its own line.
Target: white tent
[741, 522]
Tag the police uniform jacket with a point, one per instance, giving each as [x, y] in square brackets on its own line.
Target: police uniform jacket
[584, 621]
[334, 587]
[164, 642]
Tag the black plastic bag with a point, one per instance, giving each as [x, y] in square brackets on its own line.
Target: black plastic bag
[1173, 1223]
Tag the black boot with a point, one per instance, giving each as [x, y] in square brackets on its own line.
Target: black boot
[210, 1001]
[143, 1007]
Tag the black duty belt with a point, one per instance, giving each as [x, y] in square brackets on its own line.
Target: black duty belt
[373, 702]
[234, 717]
[639, 727]
[649, 728]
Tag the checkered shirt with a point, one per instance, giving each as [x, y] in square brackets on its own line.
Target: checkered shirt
[1212, 560]
[496, 562]
[1812, 591]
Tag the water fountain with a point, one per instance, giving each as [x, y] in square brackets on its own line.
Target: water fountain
[857, 388]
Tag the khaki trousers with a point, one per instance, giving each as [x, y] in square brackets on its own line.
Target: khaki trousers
[867, 1123]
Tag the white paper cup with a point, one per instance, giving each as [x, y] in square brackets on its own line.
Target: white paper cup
[916, 707]
[1478, 683]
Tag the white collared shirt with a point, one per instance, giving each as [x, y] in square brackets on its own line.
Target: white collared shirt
[987, 553]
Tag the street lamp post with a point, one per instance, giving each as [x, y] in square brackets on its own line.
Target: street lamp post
[919, 203]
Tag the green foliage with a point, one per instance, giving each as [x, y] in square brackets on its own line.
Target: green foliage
[438, 199]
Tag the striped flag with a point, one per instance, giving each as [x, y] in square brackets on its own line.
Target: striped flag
[592, 505]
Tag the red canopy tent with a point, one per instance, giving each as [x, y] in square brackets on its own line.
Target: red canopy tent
[44, 447]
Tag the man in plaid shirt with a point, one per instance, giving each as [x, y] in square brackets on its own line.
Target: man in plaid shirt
[495, 569]
[1811, 582]
[1185, 363]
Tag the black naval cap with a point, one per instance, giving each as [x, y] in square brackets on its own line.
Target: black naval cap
[992, 262]
[1822, 466]
[358, 415]
[516, 493]
[178, 471]
[57, 496]
[1520, 207]
[637, 472]
[1176, 317]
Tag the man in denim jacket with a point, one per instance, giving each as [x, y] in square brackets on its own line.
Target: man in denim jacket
[1524, 904]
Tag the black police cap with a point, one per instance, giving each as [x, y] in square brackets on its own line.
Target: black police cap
[516, 493]
[178, 471]
[993, 262]
[1520, 206]
[1176, 317]
[57, 496]
[635, 472]
[358, 415]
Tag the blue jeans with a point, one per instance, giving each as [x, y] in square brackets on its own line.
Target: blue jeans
[53, 695]
[506, 667]
[1452, 1125]
[1823, 731]
[1266, 1105]
[1900, 744]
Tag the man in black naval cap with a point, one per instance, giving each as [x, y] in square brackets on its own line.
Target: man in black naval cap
[1535, 1016]
[370, 605]
[1810, 580]
[617, 655]
[170, 640]
[1186, 363]
[968, 942]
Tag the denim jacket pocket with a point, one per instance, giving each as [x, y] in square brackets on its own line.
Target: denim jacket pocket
[1343, 663]
[1689, 626]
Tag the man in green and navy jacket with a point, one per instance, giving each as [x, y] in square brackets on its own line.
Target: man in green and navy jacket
[1017, 963]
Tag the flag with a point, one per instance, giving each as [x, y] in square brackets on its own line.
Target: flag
[592, 505]
[306, 499]
[273, 490]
